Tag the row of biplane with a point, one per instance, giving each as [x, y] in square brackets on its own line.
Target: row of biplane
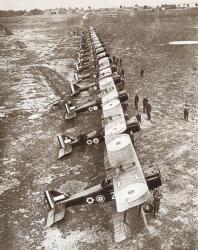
[125, 182]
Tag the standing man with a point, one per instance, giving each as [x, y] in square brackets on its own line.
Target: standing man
[156, 201]
[186, 110]
[136, 100]
[82, 139]
[142, 73]
[145, 101]
[148, 111]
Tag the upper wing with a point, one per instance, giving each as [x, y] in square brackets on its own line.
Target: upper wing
[130, 186]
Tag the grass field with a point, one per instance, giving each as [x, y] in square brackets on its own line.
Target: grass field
[36, 67]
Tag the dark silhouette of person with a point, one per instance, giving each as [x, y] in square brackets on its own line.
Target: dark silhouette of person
[136, 101]
[156, 201]
[186, 111]
[142, 73]
[148, 111]
[145, 101]
[82, 138]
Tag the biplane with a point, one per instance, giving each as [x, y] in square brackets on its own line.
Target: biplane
[95, 49]
[91, 59]
[86, 46]
[125, 183]
[72, 110]
[102, 64]
[77, 88]
[89, 51]
[88, 66]
[106, 70]
[68, 142]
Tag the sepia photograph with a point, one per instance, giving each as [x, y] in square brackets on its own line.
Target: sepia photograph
[98, 125]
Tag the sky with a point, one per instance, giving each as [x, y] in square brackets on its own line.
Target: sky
[50, 4]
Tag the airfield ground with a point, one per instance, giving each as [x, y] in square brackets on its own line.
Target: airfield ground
[36, 67]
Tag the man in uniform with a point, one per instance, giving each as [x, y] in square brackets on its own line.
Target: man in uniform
[156, 201]
[142, 73]
[82, 138]
[145, 101]
[186, 111]
[148, 111]
[136, 101]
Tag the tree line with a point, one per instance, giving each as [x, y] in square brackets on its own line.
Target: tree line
[9, 13]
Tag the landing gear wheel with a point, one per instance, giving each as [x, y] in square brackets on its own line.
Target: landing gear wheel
[90, 109]
[95, 107]
[100, 198]
[148, 208]
[89, 142]
[96, 140]
[90, 200]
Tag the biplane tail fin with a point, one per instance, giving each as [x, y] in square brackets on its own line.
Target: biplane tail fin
[65, 148]
[70, 111]
[56, 213]
[75, 89]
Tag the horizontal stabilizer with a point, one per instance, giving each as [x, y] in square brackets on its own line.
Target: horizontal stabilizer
[50, 218]
[70, 111]
[65, 151]
[75, 89]
[55, 215]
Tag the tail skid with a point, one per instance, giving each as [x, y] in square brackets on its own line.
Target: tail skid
[57, 212]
